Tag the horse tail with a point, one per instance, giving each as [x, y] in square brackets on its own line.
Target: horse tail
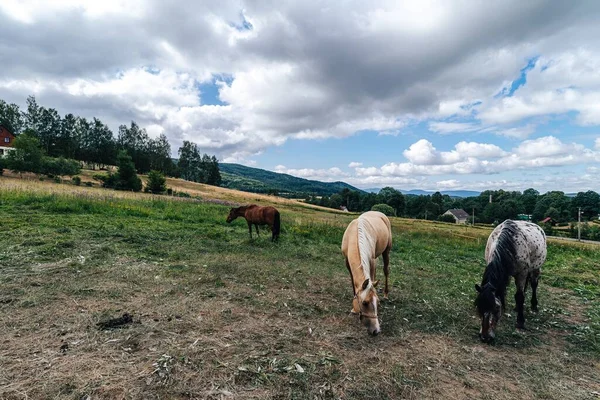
[276, 225]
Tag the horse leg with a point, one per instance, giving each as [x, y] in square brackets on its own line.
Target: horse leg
[256, 226]
[520, 300]
[250, 229]
[354, 309]
[533, 279]
[386, 270]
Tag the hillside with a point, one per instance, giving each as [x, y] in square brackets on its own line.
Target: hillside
[240, 177]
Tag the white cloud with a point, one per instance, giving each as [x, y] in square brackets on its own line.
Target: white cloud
[452, 127]
[302, 70]
[327, 175]
[597, 144]
[547, 146]
[355, 164]
[448, 184]
[479, 150]
[482, 158]
[423, 153]
[559, 83]
[521, 132]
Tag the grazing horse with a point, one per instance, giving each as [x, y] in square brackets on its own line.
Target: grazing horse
[365, 239]
[258, 215]
[514, 249]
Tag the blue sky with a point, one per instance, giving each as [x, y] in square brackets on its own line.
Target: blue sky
[429, 95]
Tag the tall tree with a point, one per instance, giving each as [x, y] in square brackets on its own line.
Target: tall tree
[49, 130]
[32, 116]
[102, 146]
[136, 142]
[67, 139]
[11, 117]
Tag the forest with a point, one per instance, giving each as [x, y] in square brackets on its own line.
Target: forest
[490, 207]
[93, 144]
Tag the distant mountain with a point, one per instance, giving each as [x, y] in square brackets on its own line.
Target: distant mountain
[419, 192]
[240, 177]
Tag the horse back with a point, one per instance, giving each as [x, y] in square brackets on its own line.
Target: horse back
[530, 245]
[534, 242]
[260, 214]
[378, 228]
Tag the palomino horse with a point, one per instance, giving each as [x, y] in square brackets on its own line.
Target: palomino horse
[366, 238]
[514, 248]
[258, 215]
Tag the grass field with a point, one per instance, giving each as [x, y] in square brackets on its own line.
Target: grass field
[216, 315]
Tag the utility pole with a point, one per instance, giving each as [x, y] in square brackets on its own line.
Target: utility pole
[579, 224]
[473, 216]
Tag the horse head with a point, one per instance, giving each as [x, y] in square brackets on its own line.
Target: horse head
[233, 214]
[489, 307]
[367, 304]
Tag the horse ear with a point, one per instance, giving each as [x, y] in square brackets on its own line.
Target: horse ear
[365, 284]
[478, 288]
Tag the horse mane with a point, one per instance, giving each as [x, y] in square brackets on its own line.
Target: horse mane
[502, 263]
[244, 208]
[366, 245]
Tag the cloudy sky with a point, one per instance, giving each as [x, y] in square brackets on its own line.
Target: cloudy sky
[416, 94]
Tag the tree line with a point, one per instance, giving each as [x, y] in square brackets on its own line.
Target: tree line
[93, 143]
[489, 207]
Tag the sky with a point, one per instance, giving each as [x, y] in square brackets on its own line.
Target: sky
[435, 95]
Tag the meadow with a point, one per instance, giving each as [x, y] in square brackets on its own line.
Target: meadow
[216, 315]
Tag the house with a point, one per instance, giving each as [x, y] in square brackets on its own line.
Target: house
[548, 220]
[460, 215]
[7, 140]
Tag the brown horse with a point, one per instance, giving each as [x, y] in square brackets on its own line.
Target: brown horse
[258, 215]
[366, 238]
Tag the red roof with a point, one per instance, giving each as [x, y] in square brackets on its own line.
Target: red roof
[547, 219]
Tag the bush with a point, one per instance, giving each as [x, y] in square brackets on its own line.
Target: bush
[384, 208]
[2, 165]
[156, 182]
[59, 167]
[57, 179]
[76, 180]
[183, 194]
[89, 184]
[27, 156]
[446, 218]
[547, 228]
[170, 192]
[125, 178]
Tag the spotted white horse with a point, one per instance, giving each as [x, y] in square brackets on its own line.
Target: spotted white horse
[514, 249]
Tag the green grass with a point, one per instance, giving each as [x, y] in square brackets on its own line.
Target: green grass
[219, 313]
